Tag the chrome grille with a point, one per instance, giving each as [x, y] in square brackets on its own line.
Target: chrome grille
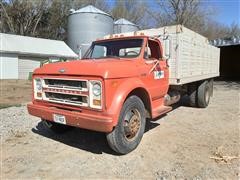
[66, 84]
[67, 98]
[66, 91]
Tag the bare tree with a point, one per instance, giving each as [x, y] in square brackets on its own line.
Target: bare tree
[21, 17]
[192, 14]
[56, 18]
[185, 12]
[48, 18]
[234, 30]
[132, 10]
[42, 18]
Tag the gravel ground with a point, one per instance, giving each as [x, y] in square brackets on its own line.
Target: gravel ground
[22, 90]
[176, 146]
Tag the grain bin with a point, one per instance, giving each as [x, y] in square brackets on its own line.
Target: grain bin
[123, 25]
[86, 25]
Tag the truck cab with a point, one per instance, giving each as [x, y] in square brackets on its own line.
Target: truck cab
[119, 84]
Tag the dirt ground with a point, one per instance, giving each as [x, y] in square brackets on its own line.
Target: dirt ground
[14, 92]
[176, 146]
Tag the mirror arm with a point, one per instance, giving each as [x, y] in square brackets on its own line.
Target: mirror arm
[167, 62]
[154, 66]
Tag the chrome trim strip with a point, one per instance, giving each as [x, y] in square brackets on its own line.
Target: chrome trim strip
[66, 87]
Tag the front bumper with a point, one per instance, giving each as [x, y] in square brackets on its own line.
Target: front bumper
[73, 118]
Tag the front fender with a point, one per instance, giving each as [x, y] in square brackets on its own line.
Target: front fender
[118, 97]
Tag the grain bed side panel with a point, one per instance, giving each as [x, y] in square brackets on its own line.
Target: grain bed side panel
[198, 60]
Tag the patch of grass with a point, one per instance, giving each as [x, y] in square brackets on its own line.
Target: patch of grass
[2, 106]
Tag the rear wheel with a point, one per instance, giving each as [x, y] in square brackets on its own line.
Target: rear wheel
[203, 95]
[130, 128]
[192, 94]
[55, 127]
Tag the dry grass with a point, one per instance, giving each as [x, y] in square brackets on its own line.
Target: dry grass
[2, 106]
[219, 156]
[14, 92]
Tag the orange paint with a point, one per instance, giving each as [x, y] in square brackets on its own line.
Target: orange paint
[119, 77]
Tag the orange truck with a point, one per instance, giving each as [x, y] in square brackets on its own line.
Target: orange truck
[125, 80]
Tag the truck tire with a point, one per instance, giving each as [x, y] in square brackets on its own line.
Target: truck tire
[203, 94]
[55, 127]
[130, 128]
[192, 94]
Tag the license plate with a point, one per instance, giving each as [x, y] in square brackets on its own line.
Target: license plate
[59, 119]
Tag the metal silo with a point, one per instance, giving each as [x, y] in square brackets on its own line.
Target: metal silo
[86, 25]
[123, 25]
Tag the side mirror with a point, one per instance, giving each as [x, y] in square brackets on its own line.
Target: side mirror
[79, 51]
[145, 54]
[167, 47]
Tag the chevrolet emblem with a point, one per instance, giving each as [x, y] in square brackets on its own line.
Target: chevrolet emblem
[61, 70]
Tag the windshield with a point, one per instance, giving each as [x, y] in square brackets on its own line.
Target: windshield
[128, 48]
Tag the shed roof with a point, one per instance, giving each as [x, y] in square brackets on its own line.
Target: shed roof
[231, 41]
[40, 47]
[124, 22]
[90, 9]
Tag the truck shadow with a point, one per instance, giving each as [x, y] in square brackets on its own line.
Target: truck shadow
[87, 140]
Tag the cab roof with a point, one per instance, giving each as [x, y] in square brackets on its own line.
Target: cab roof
[114, 37]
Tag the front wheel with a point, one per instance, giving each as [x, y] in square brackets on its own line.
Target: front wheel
[130, 128]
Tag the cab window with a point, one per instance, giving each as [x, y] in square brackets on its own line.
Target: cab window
[152, 50]
[120, 48]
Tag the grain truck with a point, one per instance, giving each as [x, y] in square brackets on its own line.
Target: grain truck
[125, 80]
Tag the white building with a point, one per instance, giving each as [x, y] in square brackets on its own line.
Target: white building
[20, 55]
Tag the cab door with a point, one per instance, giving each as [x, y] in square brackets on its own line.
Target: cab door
[156, 69]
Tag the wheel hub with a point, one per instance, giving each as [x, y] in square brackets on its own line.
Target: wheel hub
[132, 124]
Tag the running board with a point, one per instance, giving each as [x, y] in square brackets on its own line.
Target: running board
[161, 110]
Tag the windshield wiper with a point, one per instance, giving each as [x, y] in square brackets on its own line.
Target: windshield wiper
[108, 56]
[112, 56]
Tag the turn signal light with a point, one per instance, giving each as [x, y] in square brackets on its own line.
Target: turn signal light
[97, 102]
[39, 94]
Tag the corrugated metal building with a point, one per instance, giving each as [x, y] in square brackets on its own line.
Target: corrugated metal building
[229, 57]
[20, 55]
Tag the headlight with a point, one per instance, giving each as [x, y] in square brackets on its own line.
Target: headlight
[95, 94]
[38, 84]
[96, 89]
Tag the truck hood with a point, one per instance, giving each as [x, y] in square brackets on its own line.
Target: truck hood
[105, 68]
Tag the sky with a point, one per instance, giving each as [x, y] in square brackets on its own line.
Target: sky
[226, 11]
